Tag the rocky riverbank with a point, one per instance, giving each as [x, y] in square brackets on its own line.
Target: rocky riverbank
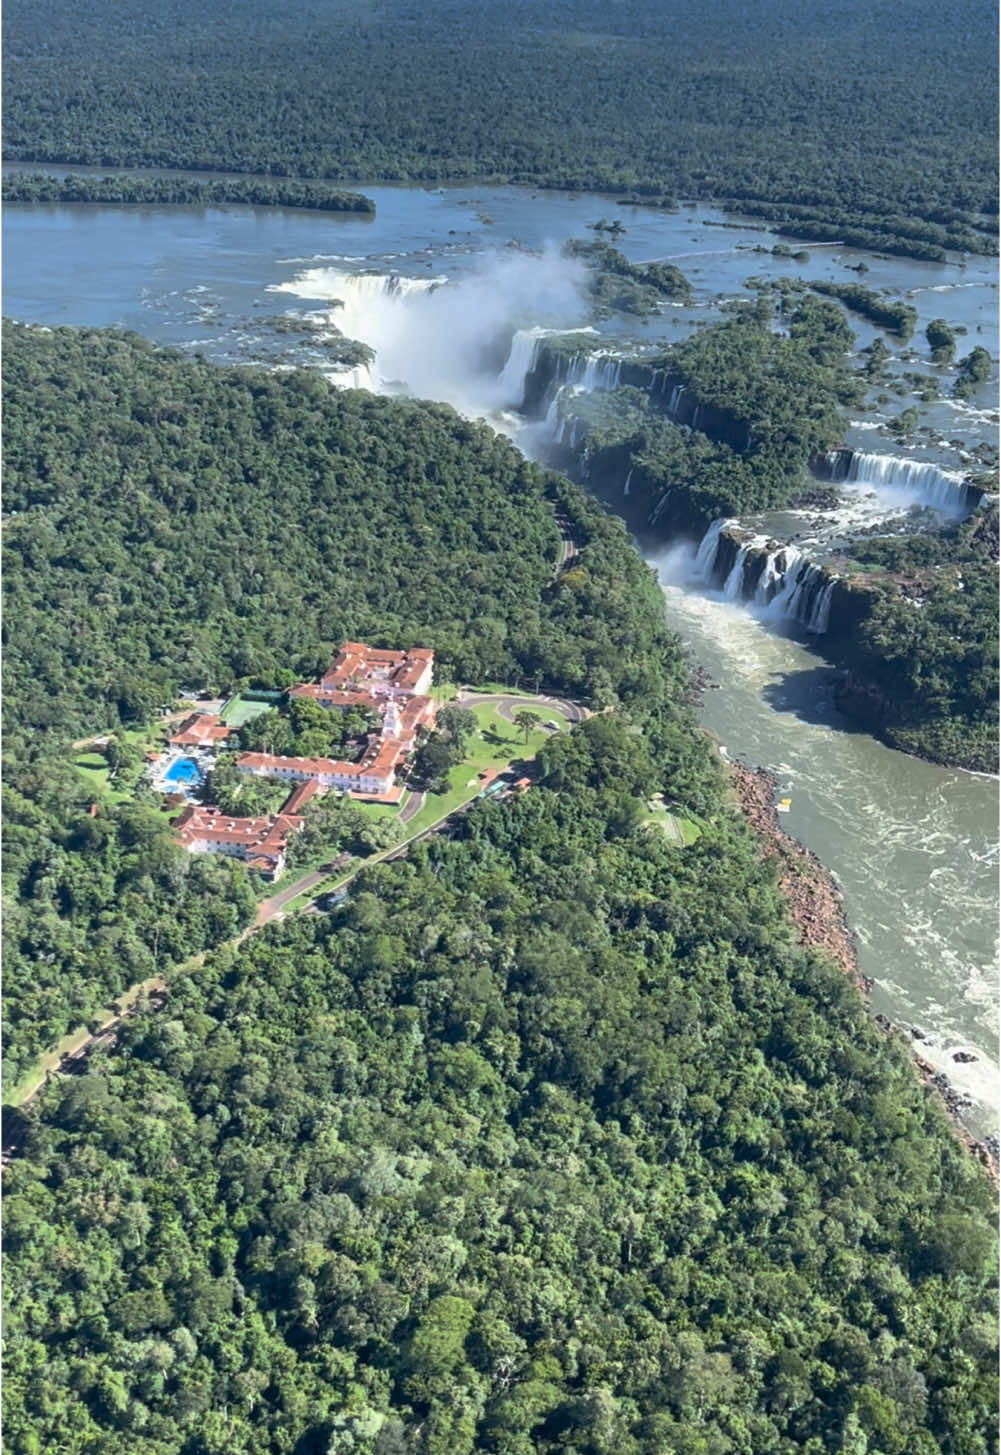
[817, 910]
[815, 902]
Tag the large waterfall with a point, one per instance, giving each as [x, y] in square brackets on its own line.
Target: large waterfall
[775, 576]
[946, 489]
[469, 341]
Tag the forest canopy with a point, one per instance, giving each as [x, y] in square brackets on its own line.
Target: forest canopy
[653, 101]
[552, 1137]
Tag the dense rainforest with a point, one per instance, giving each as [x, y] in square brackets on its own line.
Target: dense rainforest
[171, 524]
[550, 1140]
[924, 660]
[552, 1137]
[835, 123]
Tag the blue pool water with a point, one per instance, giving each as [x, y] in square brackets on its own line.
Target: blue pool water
[185, 770]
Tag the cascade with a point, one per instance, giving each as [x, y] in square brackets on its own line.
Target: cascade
[705, 559]
[821, 616]
[658, 509]
[777, 563]
[929, 483]
[733, 586]
[805, 596]
[590, 372]
[522, 358]
[625, 488]
[359, 377]
[789, 585]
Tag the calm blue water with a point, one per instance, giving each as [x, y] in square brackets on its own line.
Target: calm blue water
[185, 770]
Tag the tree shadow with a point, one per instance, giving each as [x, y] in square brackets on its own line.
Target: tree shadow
[809, 694]
[492, 736]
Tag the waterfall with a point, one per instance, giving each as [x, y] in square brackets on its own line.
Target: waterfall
[675, 399]
[733, 586]
[930, 484]
[359, 377]
[522, 358]
[658, 509]
[805, 596]
[625, 488]
[821, 616]
[590, 372]
[705, 560]
[777, 563]
[790, 586]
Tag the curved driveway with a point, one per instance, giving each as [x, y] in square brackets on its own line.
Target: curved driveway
[507, 704]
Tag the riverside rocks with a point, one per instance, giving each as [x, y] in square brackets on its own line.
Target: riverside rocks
[816, 908]
[815, 902]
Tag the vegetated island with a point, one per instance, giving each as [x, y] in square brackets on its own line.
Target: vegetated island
[744, 416]
[551, 1135]
[148, 189]
[542, 97]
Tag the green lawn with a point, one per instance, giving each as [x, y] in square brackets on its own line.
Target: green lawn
[501, 689]
[681, 831]
[690, 828]
[497, 744]
[94, 771]
[96, 776]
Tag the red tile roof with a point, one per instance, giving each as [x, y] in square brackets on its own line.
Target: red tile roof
[200, 729]
[356, 663]
[309, 767]
[262, 837]
[333, 696]
[300, 794]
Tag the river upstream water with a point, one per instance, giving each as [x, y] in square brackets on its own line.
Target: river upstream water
[912, 846]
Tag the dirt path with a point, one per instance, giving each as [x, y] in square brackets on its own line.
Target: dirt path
[412, 807]
[76, 1044]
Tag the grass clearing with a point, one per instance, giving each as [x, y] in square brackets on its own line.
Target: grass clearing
[94, 771]
[497, 744]
[681, 830]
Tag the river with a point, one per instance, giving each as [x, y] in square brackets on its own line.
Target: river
[912, 846]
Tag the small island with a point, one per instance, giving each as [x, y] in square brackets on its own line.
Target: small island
[152, 190]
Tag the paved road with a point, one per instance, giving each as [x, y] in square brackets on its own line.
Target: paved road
[508, 704]
[412, 807]
[269, 909]
[569, 544]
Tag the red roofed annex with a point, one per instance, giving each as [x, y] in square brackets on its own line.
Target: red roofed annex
[200, 730]
[259, 842]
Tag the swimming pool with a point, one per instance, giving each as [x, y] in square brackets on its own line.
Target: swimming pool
[184, 770]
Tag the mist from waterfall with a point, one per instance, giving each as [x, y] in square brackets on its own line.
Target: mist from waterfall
[468, 343]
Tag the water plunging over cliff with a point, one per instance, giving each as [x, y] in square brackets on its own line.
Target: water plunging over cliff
[469, 341]
[944, 489]
[764, 573]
